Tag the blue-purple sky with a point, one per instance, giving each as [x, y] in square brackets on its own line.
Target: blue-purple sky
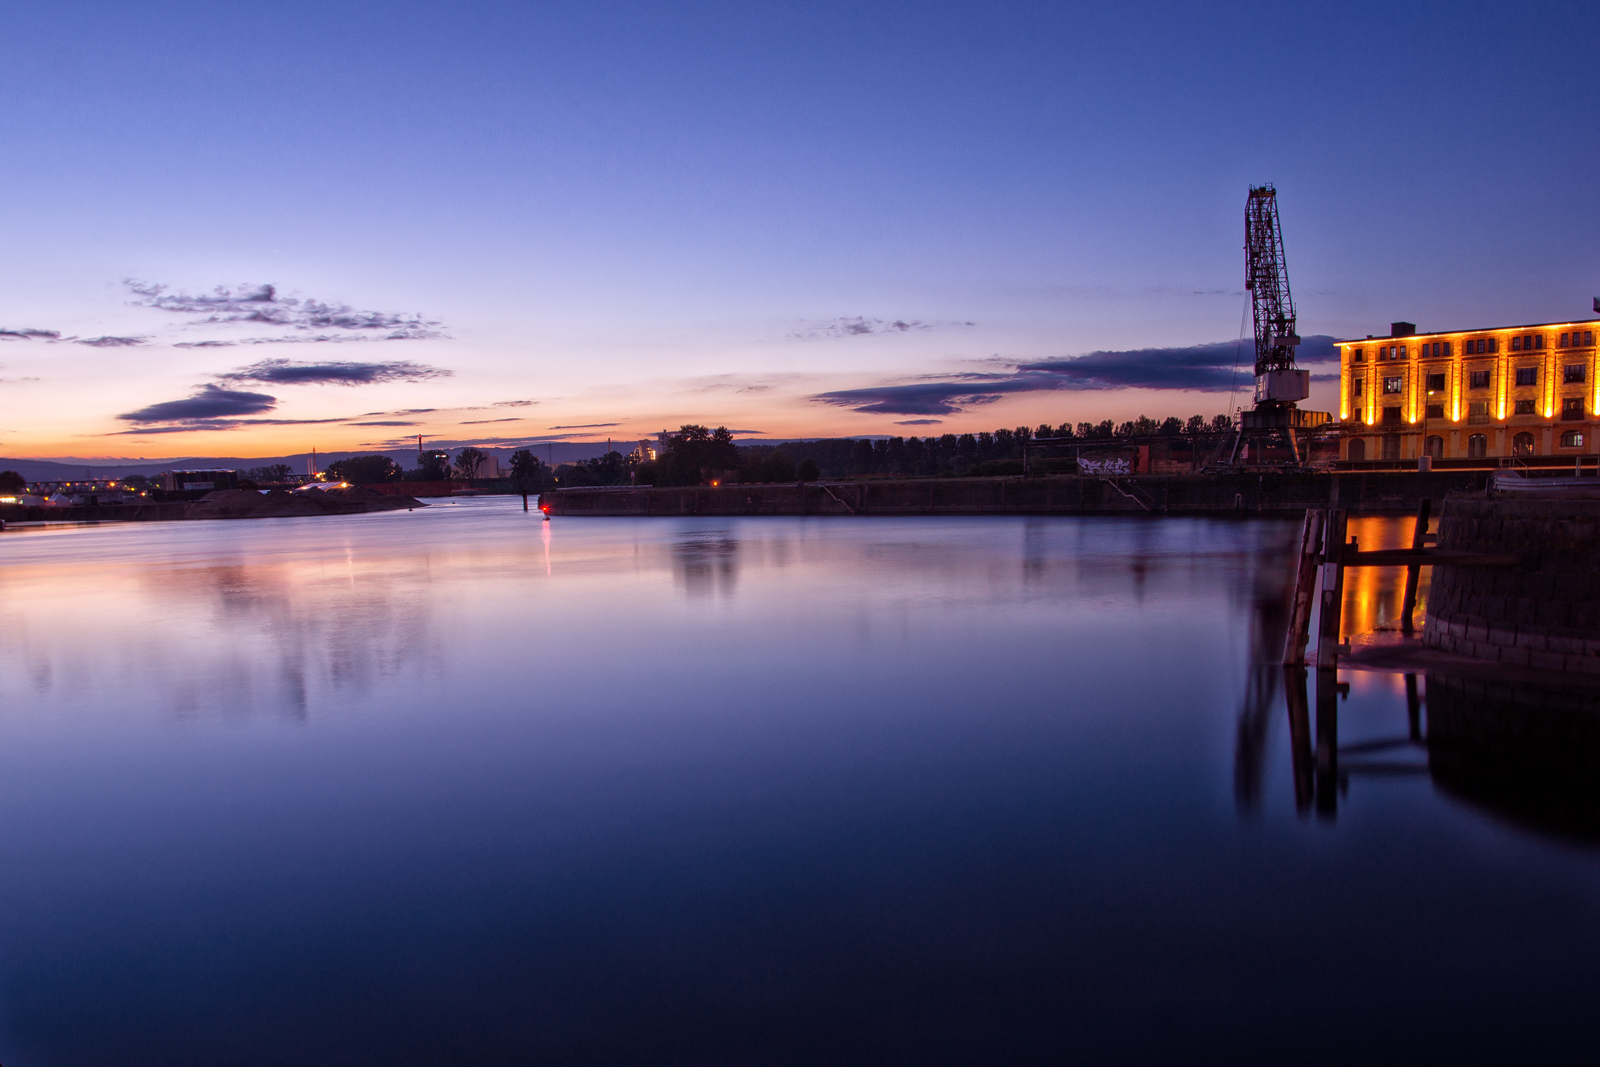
[499, 222]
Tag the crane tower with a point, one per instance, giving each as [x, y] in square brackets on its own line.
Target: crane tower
[1280, 385]
[1267, 279]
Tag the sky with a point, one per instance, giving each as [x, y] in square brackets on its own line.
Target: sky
[252, 230]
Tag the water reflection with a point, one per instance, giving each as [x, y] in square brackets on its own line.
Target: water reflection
[460, 785]
[1268, 615]
[221, 637]
[1373, 595]
[1526, 753]
[706, 563]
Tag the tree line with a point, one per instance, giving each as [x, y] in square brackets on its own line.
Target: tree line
[698, 454]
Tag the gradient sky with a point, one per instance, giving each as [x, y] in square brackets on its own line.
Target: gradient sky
[608, 218]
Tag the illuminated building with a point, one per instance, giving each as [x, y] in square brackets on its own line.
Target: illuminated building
[1514, 391]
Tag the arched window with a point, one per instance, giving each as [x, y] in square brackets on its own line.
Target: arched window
[1572, 439]
[1358, 450]
[1477, 446]
[1435, 447]
[1522, 444]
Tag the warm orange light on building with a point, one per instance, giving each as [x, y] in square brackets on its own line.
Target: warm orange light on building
[1485, 394]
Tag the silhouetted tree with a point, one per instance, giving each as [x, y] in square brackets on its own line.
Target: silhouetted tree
[432, 467]
[12, 482]
[364, 470]
[526, 474]
[469, 461]
[808, 471]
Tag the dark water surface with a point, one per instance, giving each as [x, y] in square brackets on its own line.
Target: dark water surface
[456, 786]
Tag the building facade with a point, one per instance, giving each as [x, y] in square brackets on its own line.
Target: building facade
[1518, 391]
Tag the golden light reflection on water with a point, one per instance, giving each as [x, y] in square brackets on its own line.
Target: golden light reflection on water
[1373, 595]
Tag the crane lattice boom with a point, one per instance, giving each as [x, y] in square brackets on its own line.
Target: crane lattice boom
[1267, 278]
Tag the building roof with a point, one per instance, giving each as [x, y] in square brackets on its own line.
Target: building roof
[1383, 338]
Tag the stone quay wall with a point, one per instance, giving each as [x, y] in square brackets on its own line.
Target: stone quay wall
[1395, 492]
[1543, 613]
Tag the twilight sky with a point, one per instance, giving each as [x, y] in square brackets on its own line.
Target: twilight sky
[251, 229]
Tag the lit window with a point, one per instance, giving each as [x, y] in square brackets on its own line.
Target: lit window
[1523, 407]
[1573, 373]
[1393, 385]
[1527, 375]
[1572, 439]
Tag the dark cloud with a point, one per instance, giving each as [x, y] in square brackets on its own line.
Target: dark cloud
[1198, 368]
[587, 426]
[480, 422]
[289, 372]
[919, 422]
[28, 335]
[111, 342]
[262, 304]
[514, 403]
[929, 398]
[209, 402]
[383, 424]
[859, 327]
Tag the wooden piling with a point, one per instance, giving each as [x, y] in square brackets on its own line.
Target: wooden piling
[1305, 584]
[1332, 605]
[1419, 539]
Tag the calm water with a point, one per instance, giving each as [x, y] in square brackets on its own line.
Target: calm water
[458, 786]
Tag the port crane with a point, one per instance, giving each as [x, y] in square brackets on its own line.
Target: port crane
[1280, 385]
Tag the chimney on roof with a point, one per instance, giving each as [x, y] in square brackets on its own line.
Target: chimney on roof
[1402, 329]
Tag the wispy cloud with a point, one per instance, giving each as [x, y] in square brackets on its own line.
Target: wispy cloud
[263, 305]
[480, 422]
[210, 425]
[919, 422]
[289, 372]
[514, 403]
[396, 423]
[588, 426]
[859, 326]
[1208, 368]
[111, 342]
[29, 335]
